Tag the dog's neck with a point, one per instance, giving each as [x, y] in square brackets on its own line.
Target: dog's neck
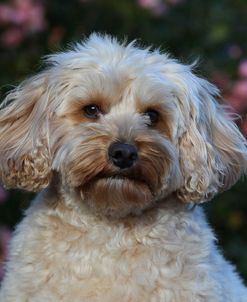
[69, 206]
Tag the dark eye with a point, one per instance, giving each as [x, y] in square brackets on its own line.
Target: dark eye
[92, 111]
[153, 116]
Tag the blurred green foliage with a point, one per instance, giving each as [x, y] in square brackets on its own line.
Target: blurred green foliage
[213, 31]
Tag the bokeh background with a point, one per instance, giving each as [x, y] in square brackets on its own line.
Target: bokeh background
[213, 31]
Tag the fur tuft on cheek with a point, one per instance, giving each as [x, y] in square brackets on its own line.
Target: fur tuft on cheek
[158, 166]
[82, 157]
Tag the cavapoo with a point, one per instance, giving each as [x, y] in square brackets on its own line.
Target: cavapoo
[122, 143]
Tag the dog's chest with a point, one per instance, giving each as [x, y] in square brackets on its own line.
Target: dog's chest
[121, 262]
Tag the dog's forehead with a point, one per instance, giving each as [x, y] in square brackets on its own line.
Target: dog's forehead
[117, 80]
[101, 66]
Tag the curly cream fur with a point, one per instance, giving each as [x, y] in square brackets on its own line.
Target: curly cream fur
[25, 158]
[98, 233]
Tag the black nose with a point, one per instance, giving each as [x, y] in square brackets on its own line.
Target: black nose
[122, 155]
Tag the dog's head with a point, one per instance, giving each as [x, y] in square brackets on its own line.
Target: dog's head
[124, 126]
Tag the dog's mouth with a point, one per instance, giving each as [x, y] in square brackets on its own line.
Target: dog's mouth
[125, 178]
[121, 180]
[118, 194]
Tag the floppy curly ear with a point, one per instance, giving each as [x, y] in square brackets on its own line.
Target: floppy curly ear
[213, 152]
[24, 152]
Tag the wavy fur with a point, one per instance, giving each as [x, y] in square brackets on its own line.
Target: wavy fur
[98, 233]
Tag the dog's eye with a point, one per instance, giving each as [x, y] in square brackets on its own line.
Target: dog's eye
[92, 111]
[153, 116]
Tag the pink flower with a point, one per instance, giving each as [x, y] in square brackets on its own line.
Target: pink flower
[157, 7]
[12, 37]
[6, 14]
[235, 103]
[243, 69]
[237, 98]
[235, 93]
[5, 236]
[240, 89]
[24, 17]
[31, 14]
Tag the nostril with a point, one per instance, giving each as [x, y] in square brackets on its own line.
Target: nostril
[122, 155]
[133, 156]
[117, 154]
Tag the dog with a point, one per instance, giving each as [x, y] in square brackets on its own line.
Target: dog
[123, 143]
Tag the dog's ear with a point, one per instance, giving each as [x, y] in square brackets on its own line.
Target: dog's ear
[212, 151]
[24, 152]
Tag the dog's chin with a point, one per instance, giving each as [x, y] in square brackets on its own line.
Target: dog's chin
[117, 196]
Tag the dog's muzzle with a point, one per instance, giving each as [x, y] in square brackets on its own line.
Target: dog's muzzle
[123, 155]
